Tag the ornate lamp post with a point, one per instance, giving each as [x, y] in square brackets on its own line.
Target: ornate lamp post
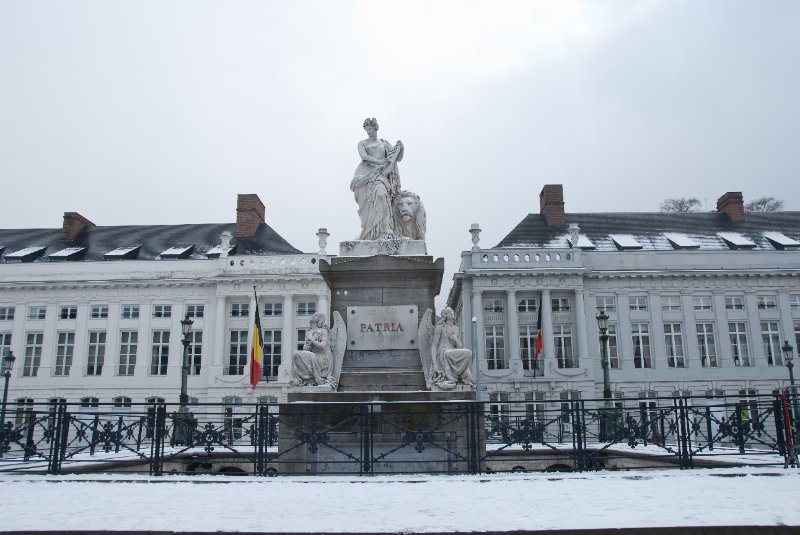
[8, 365]
[787, 355]
[184, 420]
[607, 415]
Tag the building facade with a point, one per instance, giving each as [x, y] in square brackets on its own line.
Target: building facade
[699, 304]
[93, 314]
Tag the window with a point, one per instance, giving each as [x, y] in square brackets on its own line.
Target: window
[237, 353]
[495, 348]
[527, 351]
[734, 302]
[702, 302]
[240, 310]
[24, 411]
[648, 408]
[748, 404]
[97, 352]
[306, 308]
[567, 398]
[159, 359]
[272, 353]
[33, 354]
[562, 339]
[195, 352]
[130, 312]
[766, 302]
[53, 408]
[673, 340]
[613, 347]
[706, 345]
[273, 309]
[150, 422]
[162, 311]
[771, 338]
[498, 413]
[794, 302]
[37, 313]
[6, 313]
[69, 312]
[65, 345]
[606, 303]
[300, 339]
[670, 302]
[560, 304]
[526, 305]
[493, 305]
[535, 407]
[5, 344]
[796, 336]
[122, 402]
[640, 334]
[233, 420]
[637, 302]
[98, 312]
[128, 347]
[737, 332]
[195, 310]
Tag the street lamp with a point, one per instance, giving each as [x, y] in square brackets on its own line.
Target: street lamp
[787, 355]
[606, 418]
[184, 420]
[8, 365]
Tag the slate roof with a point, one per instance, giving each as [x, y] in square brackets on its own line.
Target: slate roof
[153, 239]
[649, 228]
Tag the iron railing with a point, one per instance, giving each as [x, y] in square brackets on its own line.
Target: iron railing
[372, 437]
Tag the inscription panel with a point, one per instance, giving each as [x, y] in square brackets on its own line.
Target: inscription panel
[385, 327]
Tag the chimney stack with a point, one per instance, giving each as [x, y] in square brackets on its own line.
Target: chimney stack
[551, 204]
[732, 204]
[73, 223]
[249, 215]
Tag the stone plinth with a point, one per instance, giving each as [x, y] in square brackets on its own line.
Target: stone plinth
[396, 246]
[380, 432]
[382, 281]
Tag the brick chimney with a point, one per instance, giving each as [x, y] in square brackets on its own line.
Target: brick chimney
[732, 205]
[249, 215]
[551, 204]
[73, 223]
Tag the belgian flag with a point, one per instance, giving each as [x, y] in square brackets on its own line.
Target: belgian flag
[256, 348]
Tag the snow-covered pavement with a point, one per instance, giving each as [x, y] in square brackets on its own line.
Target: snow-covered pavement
[734, 496]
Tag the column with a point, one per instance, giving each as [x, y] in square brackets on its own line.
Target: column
[322, 306]
[466, 315]
[757, 355]
[514, 360]
[287, 336]
[724, 352]
[477, 311]
[580, 328]
[219, 334]
[548, 346]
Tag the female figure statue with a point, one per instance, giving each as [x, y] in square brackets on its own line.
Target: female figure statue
[450, 360]
[314, 364]
[376, 183]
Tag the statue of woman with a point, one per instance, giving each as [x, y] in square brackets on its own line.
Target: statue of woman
[376, 182]
[314, 364]
[450, 360]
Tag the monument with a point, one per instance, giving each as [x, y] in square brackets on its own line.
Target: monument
[385, 345]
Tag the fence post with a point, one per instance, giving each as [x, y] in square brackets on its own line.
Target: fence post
[157, 447]
[474, 433]
[262, 428]
[740, 427]
[683, 431]
[366, 439]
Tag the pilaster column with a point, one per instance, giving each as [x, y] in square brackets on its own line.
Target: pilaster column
[477, 311]
[580, 328]
[322, 306]
[514, 360]
[548, 347]
[724, 352]
[219, 333]
[467, 312]
[288, 341]
[757, 355]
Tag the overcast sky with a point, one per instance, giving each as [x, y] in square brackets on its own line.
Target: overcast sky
[159, 112]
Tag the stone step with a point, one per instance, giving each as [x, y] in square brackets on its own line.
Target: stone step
[379, 379]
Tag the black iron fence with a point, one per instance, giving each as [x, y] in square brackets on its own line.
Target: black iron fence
[371, 438]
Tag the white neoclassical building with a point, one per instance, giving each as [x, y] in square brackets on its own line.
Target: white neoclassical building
[699, 303]
[93, 313]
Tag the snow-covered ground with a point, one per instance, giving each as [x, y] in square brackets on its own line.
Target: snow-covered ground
[729, 496]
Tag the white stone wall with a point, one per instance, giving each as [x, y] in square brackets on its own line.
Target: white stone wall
[213, 283]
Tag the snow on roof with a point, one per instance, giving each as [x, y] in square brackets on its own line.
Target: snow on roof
[780, 241]
[69, 252]
[736, 240]
[681, 241]
[625, 241]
